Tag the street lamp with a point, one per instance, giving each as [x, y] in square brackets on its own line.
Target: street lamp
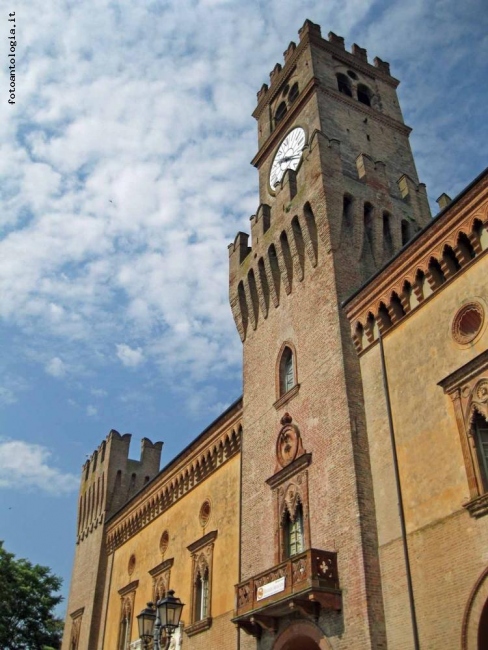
[164, 616]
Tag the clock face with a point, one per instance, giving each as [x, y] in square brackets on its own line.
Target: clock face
[288, 155]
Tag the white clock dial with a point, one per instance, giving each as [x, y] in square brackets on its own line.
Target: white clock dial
[288, 155]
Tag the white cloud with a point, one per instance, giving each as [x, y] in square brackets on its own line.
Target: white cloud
[26, 466]
[124, 170]
[130, 357]
[99, 392]
[56, 367]
[7, 396]
[91, 411]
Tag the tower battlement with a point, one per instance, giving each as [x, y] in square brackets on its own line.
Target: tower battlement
[363, 211]
[335, 45]
[109, 478]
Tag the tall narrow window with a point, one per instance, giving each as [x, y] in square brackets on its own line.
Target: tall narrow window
[280, 112]
[344, 85]
[364, 95]
[201, 602]
[127, 595]
[480, 432]
[201, 595]
[287, 371]
[125, 624]
[294, 532]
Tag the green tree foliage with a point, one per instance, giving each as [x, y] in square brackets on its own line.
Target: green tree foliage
[27, 600]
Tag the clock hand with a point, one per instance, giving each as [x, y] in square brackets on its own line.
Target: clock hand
[288, 158]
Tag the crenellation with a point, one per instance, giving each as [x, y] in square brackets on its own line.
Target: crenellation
[359, 52]
[309, 29]
[336, 40]
[290, 50]
[443, 201]
[416, 195]
[260, 223]
[262, 92]
[384, 66]
[274, 74]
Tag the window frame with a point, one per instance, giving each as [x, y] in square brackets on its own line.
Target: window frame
[161, 575]
[468, 389]
[202, 552]
[76, 620]
[127, 597]
[293, 531]
[283, 392]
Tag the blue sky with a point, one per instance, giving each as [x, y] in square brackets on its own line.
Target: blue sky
[124, 174]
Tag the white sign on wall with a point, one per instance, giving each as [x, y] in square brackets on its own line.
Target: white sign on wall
[271, 588]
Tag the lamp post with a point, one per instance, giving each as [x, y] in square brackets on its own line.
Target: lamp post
[165, 615]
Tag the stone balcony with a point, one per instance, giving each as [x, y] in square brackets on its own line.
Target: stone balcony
[307, 582]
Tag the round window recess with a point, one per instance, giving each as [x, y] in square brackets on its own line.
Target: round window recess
[163, 542]
[132, 564]
[285, 90]
[468, 323]
[205, 511]
[352, 74]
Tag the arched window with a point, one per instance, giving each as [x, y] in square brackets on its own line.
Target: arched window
[293, 93]
[125, 625]
[405, 232]
[344, 85]
[287, 371]
[480, 434]
[364, 94]
[201, 595]
[293, 531]
[280, 112]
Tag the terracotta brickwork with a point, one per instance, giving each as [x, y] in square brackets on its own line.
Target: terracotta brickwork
[108, 479]
[278, 526]
[315, 237]
[136, 547]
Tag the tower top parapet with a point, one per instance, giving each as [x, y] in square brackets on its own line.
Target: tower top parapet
[311, 33]
[117, 445]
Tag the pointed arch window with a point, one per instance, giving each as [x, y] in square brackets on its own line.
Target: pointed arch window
[468, 389]
[293, 531]
[287, 371]
[201, 594]
[127, 595]
[286, 375]
[125, 624]
[479, 431]
[201, 601]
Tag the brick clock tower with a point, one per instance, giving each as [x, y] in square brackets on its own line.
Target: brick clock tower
[339, 195]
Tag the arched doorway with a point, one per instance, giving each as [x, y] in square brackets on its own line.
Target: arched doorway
[483, 628]
[302, 635]
[301, 643]
[474, 634]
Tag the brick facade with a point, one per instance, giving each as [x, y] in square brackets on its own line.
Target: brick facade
[311, 451]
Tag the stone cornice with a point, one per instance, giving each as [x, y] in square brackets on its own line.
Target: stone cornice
[387, 287]
[132, 586]
[163, 566]
[464, 374]
[207, 539]
[290, 470]
[200, 460]
[77, 613]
